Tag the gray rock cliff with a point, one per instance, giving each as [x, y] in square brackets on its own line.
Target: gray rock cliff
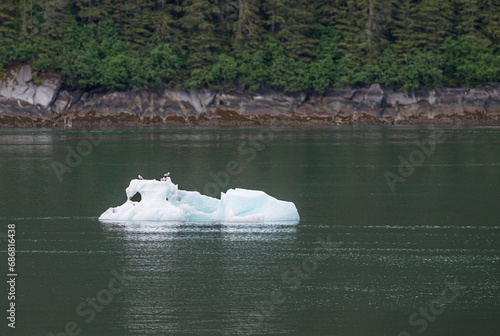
[22, 98]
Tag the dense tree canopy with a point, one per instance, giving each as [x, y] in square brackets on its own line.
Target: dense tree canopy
[285, 44]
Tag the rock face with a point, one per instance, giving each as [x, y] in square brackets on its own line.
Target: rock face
[26, 100]
[18, 85]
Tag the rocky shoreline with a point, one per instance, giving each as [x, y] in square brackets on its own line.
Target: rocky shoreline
[27, 100]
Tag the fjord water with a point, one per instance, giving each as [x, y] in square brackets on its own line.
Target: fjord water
[363, 260]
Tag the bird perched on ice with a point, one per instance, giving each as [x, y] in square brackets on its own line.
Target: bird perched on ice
[140, 177]
[166, 175]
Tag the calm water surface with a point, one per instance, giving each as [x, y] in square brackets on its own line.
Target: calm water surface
[392, 254]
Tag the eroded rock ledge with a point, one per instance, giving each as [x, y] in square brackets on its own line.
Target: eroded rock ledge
[29, 101]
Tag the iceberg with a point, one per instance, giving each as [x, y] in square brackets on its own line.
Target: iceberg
[163, 201]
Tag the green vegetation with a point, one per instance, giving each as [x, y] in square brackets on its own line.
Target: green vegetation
[284, 44]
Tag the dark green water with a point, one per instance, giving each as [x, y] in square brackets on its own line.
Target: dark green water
[391, 253]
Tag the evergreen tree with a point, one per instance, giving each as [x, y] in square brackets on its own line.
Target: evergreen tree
[490, 18]
[422, 25]
[289, 21]
[90, 10]
[199, 25]
[403, 27]
[226, 17]
[435, 17]
[31, 19]
[247, 29]
[57, 18]
[8, 20]
[275, 11]
[468, 22]
[325, 12]
[164, 24]
[364, 25]
[467, 17]
[135, 21]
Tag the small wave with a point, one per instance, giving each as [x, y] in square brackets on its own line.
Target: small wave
[66, 252]
[412, 227]
[490, 164]
[49, 218]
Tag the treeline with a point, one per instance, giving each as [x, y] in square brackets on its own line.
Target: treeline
[285, 44]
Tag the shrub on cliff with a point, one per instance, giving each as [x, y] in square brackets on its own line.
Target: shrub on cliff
[93, 55]
[467, 62]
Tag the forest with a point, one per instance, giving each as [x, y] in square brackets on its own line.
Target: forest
[290, 45]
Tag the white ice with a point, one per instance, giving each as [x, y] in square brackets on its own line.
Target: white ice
[163, 201]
